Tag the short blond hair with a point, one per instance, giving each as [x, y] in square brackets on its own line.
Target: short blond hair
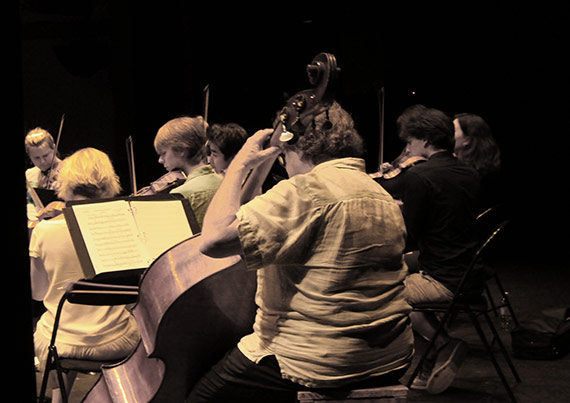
[38, 137]
[88, 173]
[183, 134]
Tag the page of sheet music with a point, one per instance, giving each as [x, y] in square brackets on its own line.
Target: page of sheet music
[111, 236]
[162, 223]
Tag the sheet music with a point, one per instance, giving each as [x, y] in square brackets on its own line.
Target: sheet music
[111, 236]
[125, 235]
[162, 223]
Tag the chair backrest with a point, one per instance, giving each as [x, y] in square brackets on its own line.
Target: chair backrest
[89, 293]
[488, 220]
[479, 254]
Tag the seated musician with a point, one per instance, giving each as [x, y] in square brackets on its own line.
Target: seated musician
[327, 245]
[475, 146]
[439, 211]
[224, 141]
[102, 332]
[180, 144]
[40, 148]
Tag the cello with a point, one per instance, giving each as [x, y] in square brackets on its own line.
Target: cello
[192, 308]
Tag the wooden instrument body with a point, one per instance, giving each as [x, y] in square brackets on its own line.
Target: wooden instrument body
[191, 310]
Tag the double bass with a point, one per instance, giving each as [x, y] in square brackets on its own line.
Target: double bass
[192, 308]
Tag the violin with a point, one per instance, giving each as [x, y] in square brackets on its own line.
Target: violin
[401, 166]
[53, 209]
[163, 184]
[191, 308]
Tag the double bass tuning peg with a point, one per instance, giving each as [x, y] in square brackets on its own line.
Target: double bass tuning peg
[315, 72]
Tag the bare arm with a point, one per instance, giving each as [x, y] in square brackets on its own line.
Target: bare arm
[220, 227]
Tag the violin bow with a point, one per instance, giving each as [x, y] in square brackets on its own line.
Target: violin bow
[131, 162]
[206, 102]
[55, 152]
[381, 94]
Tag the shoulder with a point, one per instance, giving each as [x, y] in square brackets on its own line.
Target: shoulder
[49, 231]
[51, 226]
[203, 181]
[32, 173]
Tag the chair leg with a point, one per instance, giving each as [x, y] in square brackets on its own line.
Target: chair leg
[502, 348]
[52, 364]
[491, 300]
[42, 396]
[491, 355]
[507, 302]
[61, 382]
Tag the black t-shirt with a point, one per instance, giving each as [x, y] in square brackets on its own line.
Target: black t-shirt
[440, 202]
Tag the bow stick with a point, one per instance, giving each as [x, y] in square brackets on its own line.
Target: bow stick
[55, 151]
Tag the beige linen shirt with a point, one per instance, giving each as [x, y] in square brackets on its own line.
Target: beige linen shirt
[328, 249]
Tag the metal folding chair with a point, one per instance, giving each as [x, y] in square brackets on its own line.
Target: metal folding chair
[85, 293]
[487, 222]
[474, 306]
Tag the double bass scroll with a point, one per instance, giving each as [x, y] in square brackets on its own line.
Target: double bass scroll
[301, 108]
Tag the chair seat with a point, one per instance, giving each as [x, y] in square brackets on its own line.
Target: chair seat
[475, 301]
[384, 394]
[79, 365]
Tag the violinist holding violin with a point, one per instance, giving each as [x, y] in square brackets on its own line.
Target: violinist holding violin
[440, 198]
[180, 144]
[327, 247]
[41, 149]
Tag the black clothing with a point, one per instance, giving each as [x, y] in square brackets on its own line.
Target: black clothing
[440, 203]
[395, 186]
[236, 379]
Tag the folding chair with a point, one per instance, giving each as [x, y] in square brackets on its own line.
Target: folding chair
[474, 306]
[85, 293]
[487, 222]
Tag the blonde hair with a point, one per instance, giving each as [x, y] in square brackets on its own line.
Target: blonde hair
[183, 134]
[88, 173]
[38, 137]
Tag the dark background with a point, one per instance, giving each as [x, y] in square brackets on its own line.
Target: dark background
[118, 69]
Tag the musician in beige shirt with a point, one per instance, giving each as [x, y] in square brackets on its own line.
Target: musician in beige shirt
[327, 245]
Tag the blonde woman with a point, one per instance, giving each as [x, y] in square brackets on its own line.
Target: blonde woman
[102, 332]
